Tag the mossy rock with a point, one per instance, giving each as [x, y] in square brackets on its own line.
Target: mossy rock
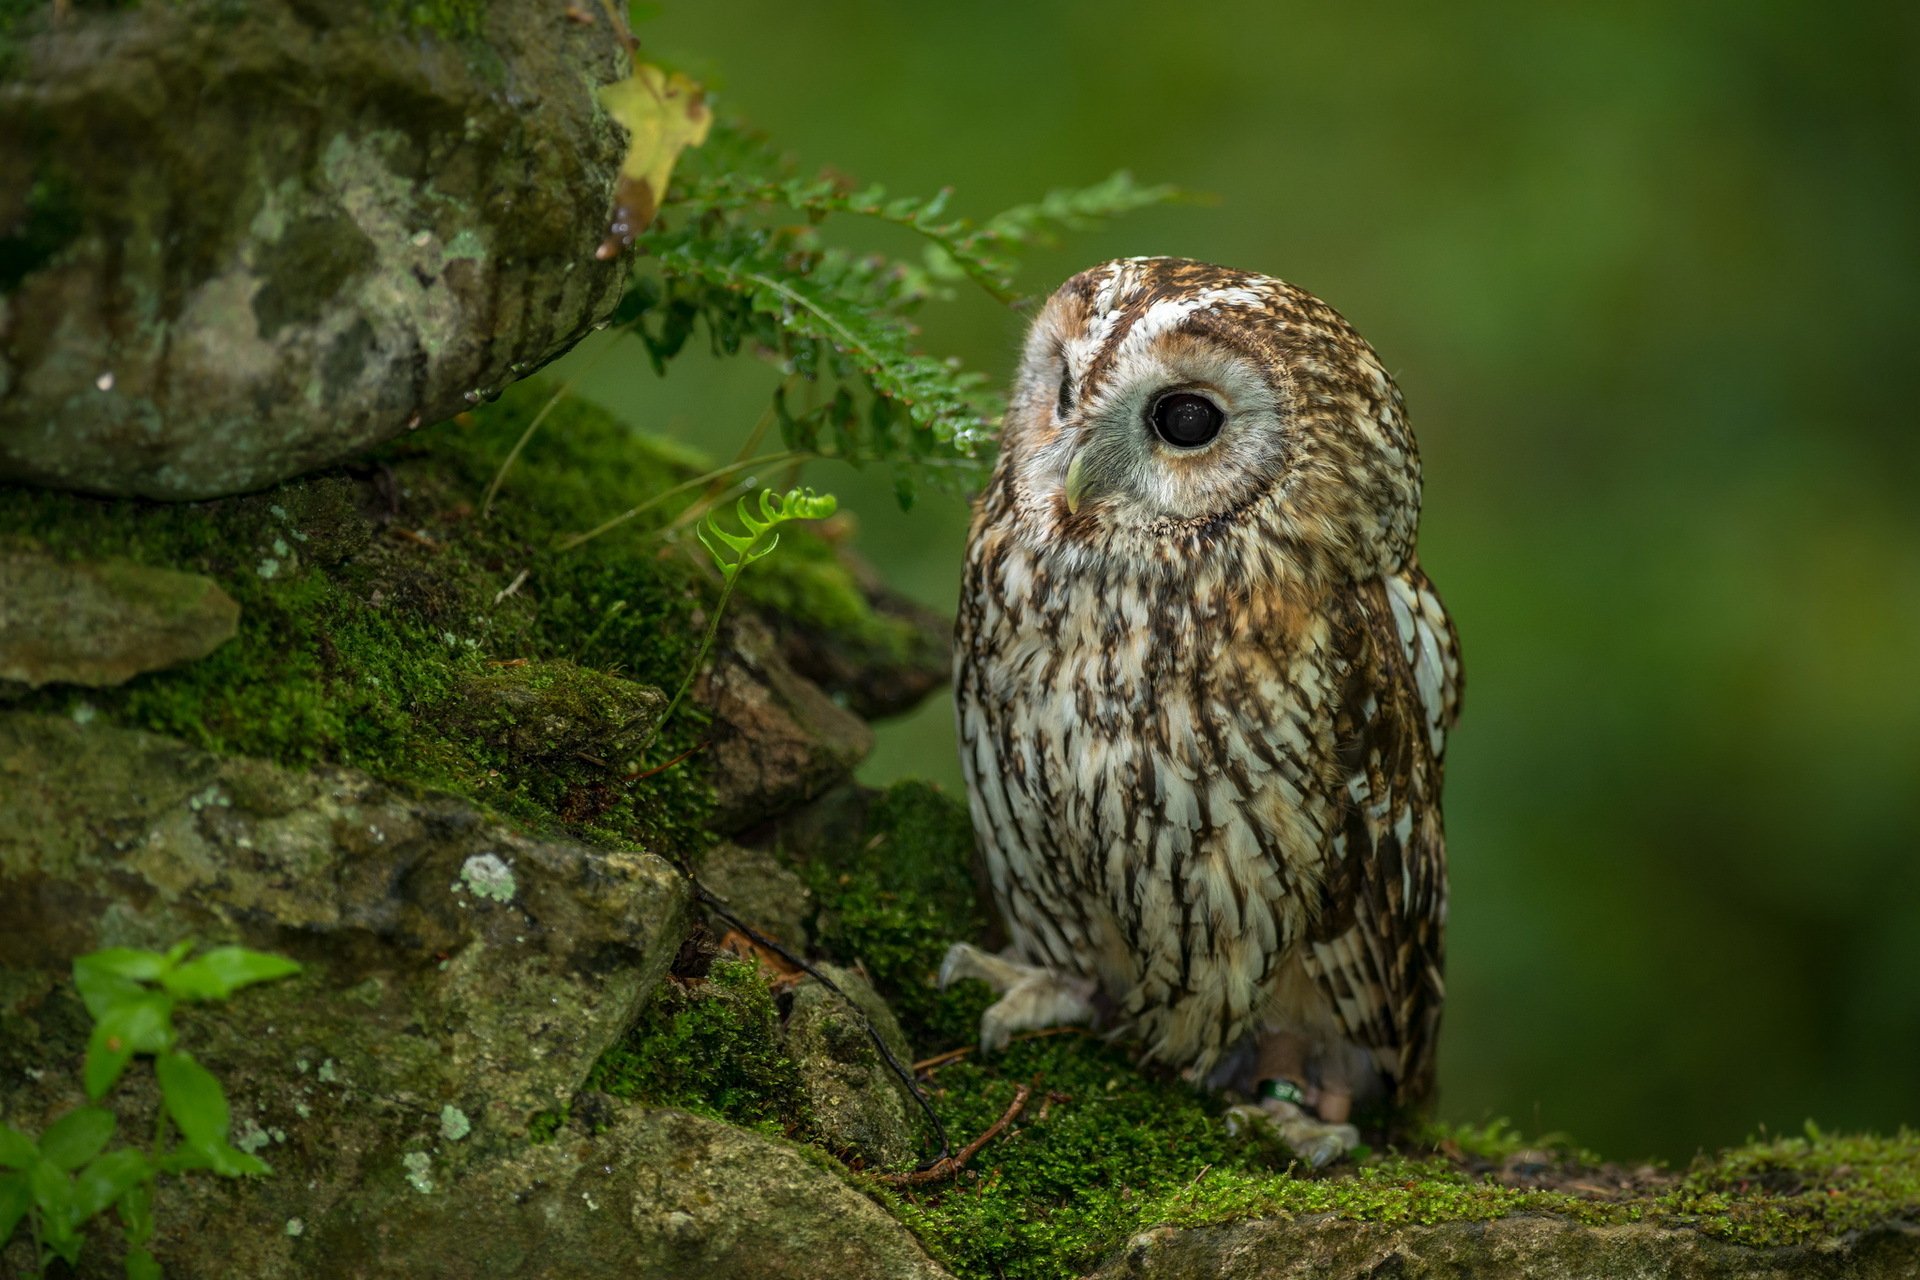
[385, 625]
[861, 1110]
[460, 977]
[1540, 1248]
[241, 241]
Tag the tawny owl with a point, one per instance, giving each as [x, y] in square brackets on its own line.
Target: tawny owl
[1204, 691]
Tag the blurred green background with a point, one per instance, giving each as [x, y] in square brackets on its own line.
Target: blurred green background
[1647, 275]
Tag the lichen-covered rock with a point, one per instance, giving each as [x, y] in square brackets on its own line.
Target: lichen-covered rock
[858, 1105]
[451, 962]
[101, 624]
[238, 242]
[1541, 1248]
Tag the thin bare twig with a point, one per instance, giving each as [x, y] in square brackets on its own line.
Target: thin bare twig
[941, 1170]
[662, 768]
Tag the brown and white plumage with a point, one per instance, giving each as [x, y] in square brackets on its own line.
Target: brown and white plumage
[1203, 704]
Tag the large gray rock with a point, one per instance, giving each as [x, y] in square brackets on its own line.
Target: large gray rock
[238, 242]
[1540, 1248]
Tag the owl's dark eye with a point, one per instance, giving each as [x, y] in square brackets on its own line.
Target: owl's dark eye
[1064, 405]
[1186, 420]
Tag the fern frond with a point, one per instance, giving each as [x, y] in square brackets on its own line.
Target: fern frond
[987, 254]
[829, 316]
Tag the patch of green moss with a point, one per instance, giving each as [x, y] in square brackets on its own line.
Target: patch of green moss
[386, 625]
[1105, 1150]
[894, 901]
[545, 1125]
[1098, 1143]
[1794, 1190]
[711, 1046]
[812, 588]
[453, 18]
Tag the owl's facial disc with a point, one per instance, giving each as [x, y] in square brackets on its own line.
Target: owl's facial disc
[1187, 431]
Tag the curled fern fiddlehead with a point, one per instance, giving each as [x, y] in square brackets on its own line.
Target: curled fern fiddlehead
[733, 552]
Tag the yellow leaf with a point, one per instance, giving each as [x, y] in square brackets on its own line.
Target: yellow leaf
[663, 115]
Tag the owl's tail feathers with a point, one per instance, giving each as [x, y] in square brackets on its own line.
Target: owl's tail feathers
[1032, 997]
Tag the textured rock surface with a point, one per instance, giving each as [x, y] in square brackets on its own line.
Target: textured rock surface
[102, 624]
[240, 242]
[760, 889]
[1536, 1247]
[859, 1106]
[450, 962]
[779, 740]
[658, 1193]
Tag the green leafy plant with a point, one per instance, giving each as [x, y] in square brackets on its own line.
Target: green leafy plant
[67, 1177]
[733, 552]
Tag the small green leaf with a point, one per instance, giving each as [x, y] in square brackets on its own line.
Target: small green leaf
[224, 970]
[126, 962]
[76, 1137]
[194, 1099]
[101, 988]
[231, 1162]
[183, 1158]
[16, 1197]
[104, 1063]
[17, 1150]
[140, 1024]
[53, 1193]
[108, 1178]
[199, 1106]
[136, 1212]
[141, 1265]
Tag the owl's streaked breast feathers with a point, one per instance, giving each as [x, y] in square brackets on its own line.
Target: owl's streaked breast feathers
[1203, 686]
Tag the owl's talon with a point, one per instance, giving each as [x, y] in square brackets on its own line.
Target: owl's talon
[1032, 997]
[964, 960]
[1313, 1140]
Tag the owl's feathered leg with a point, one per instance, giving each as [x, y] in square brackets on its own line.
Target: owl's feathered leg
[1312, 1121]
[1032, 997]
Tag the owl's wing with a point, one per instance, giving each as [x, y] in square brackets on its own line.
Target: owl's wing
[1376, 946]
